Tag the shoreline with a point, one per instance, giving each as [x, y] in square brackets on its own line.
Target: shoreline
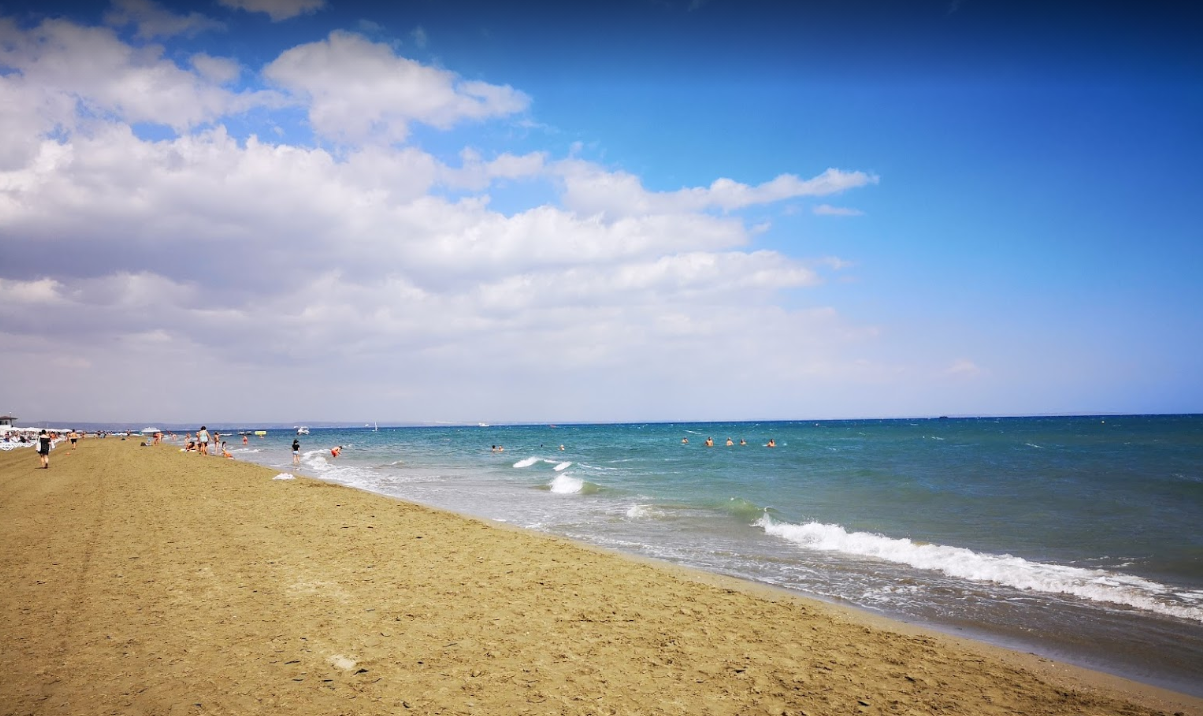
[146, 579]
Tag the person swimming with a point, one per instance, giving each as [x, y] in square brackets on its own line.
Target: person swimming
[772, 443]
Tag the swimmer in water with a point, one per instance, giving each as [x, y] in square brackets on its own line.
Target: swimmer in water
[772, 443]
[335, 451]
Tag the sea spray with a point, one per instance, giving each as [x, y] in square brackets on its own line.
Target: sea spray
[566, 484]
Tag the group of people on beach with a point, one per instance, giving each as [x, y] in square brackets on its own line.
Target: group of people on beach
[200, 445]
[48, 439]
[710, 442]
[296, 451]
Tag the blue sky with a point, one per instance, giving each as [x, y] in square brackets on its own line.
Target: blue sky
[454, 211]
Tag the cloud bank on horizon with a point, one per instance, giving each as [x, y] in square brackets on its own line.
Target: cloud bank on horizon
[343, 231]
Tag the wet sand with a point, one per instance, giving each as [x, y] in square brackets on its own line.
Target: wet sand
[141, 580]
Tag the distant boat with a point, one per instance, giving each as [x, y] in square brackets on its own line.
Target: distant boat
[302, 430]
[375, 427]
[482, 425]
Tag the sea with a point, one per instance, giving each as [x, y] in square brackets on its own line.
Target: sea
[1075, 538]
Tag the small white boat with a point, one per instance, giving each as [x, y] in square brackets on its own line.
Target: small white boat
[302, 430]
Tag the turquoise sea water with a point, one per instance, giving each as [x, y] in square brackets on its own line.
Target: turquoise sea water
[1078, 538]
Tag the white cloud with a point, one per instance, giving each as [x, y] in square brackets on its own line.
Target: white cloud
[590, 189]
[277, 10]
[218, 70]
[359, 91]
[154, 21]
[276, 265]
[74, 74]
[475, 173]
[44, 290]
[829, 210]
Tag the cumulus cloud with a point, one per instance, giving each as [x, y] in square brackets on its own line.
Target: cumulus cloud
[153, 21]
[275, 264]
[218, 70]
[43, 291]
[358, 91]
[74, 74]
[277, 10]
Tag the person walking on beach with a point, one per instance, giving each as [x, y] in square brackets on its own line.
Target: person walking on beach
[296, 451]
[44, 449]
[202, 440]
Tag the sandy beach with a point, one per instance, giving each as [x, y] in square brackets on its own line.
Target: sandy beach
[141, 580]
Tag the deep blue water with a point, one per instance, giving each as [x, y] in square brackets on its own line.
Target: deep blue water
[1079, 538]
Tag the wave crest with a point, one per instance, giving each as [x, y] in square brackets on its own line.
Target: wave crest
[1093, 584]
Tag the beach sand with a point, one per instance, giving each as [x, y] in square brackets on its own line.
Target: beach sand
[141, 580]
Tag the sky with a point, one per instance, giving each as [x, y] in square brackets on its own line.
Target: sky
[458, 211]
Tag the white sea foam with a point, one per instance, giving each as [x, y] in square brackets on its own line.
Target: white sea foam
[562, 466]
[1094, 584]
[527, 462]
[643, 512]
[566, 484]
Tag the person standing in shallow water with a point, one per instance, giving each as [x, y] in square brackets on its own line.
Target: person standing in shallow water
[202, 440]
[44, 449]
[296, 451]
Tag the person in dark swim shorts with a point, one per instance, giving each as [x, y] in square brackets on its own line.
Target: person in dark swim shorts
[44, 449]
